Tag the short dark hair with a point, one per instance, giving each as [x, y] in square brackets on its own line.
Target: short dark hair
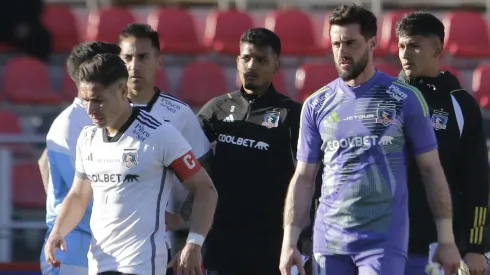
[85, 51]
[355, 14]
[420, 23]
[262, 37]
[137, 30]
[104, 68]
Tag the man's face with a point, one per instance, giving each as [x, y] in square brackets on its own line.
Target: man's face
[417, 53]
[256, 66]
[142, 61]
[351, 51]
[103, 104]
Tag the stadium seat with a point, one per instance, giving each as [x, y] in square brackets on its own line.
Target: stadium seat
[10, 123]
[68, 88]
[389, 68]
[451, 69]
[481, 86]
[312, 76]
[279, 81]
[27, 187]
[201, 81]
[61, 23]
[26, 80]
[466, 34]
[177, 31]
[295, 29]
[388, 42]
[106, 23]
[224, 28]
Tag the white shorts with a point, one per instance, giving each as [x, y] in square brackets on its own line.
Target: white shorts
[47, 269]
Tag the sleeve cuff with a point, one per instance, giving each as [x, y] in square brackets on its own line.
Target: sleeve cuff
[479, 249]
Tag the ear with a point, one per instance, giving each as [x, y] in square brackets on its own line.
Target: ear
[160, 60]
[237, 62]
[373, 43]
[124, 89]
[277, 65]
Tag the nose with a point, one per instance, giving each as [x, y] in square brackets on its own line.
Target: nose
[133, 65]
[251, 63]
[91, 108]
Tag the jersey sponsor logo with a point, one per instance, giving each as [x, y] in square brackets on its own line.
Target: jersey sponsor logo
[130, 159]
[386, 115]
[352, 142]
[439, 120]
[396, 93]
[360, 117]
[386, 140]
[170, 105]
[229, 118]
[140, 133]
[271, 119]
[131, 178]
[245, 142]
[114, 178]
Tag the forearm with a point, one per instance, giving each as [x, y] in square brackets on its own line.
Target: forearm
[71, 213]
[205, 200]
[44, 169]
[475, 200]
[297, 207]
[186, 208]
[439, 199]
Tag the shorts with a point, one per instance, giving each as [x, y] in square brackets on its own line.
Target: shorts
[416, 264]
[74, 260]
[374, 262]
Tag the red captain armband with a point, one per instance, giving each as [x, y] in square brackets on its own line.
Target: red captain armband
[186, 166]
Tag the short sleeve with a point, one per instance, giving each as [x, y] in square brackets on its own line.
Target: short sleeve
[194, 135]
[309, 141]
[418, 129]
[79, 166]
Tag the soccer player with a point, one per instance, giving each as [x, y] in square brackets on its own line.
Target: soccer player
[361, 125]
[129, 196]
[61, 143]
[457, 121]
[256, 130]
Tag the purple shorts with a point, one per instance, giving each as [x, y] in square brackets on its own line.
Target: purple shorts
[374, 262]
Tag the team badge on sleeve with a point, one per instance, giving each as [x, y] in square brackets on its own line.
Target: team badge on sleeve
[130, 159]
[439, 120]
[386, 115]
[271, 119]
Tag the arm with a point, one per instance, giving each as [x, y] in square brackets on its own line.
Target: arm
[44, 169]
[294, 127]
[474, 169]
[421, 139]
[206, 119]
[302, 186]
[78, 198]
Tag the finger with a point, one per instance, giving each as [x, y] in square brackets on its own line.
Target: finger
[198, 271]
[171, 263]
[301, 269]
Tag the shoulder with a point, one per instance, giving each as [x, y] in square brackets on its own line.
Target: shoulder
[217, 102]
[165, 98]
[66, 127]
[87, 133]
[466, 101]
[317, 99]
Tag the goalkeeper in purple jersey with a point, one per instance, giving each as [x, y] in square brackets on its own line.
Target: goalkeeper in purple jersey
[362, 126]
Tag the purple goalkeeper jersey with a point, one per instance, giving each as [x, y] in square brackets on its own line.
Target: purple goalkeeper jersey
[363, 134]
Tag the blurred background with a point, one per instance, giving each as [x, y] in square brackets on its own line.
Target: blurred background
[199, 40]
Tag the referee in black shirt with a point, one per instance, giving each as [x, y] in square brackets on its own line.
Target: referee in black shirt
[457, 121]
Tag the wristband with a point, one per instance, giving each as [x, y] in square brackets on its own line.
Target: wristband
[195, 238]
[445, 231]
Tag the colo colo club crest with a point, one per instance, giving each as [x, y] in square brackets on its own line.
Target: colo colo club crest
[271, 119]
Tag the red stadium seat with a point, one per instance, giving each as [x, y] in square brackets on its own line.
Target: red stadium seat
[388, 42]
[481, 86]
[61, 22]
[295, 29]
[451, 69]
[106, 23]
[200, 82]
[27, 187]
[177, 31]
[389, 68]
[10, 123]
[224, 28]
[312, 76]
[279, 82]
[68, 88]
[26, 80]
[466, 34]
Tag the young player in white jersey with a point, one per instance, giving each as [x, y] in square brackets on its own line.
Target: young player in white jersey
[123, 161]
[60, 149]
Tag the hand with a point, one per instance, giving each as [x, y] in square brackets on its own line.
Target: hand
[55, 241]
[477, 263]
[173, 221]
[447, 255]
[188, 261]
[290, 257]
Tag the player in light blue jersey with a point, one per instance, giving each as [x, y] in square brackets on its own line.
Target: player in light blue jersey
[362, 126]
[61, 150]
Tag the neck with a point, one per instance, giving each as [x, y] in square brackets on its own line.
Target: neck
[142, 96]
[119, 122]
[432, 72]
[368, 72]
[259, 91]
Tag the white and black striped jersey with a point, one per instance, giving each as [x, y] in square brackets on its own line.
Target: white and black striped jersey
[131, 183]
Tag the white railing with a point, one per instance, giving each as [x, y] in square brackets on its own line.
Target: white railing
[7, 224]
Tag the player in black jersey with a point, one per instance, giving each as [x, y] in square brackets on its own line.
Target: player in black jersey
[457, 121]
[256, 131]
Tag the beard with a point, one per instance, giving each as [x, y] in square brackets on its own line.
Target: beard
[356, 68]
[251, 86]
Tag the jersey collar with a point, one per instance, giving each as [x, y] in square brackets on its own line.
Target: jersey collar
[150, 103]
[120, 132]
